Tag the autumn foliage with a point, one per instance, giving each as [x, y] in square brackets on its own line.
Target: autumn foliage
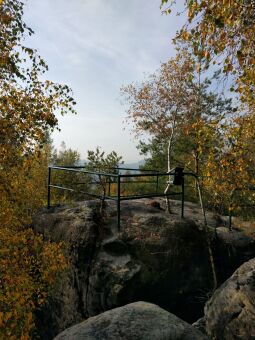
[221, 35]
[29, 270]
[199, 129]
[185, 123]
[29, 266]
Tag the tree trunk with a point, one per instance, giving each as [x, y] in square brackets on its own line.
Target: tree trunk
[208, 241]
[169, 152]
[196, 157]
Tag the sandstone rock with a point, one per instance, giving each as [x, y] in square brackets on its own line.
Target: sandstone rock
[230, 313]
[232, 248]
[200, 325]
[78, 227]
[135, 321]
[154, 265]
[156, 257]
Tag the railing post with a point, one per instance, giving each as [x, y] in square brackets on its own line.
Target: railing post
[157, 184]
[49, 182]
[230, 217]
[118, 203]
[109, 187]
[183, 196]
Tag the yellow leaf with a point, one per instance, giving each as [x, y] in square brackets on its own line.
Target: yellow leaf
[1, 319]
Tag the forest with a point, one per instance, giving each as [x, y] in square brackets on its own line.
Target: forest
[196, 111]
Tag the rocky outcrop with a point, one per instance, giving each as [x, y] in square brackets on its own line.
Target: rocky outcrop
[230, 313]
[156, 257]
[135, 321]
[200, 325]
[150, 259]
[231, 250]
[78, 226]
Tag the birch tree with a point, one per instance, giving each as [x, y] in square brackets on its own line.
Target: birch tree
[175, 104]
[222, 33]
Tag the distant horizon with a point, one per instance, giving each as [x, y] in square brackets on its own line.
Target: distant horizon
[83, 159]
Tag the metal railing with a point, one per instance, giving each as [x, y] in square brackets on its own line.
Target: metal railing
[120, 180]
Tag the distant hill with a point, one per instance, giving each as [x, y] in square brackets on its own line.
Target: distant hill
[135, 165]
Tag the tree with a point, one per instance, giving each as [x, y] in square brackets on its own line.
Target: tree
[176, 107]
[29, 266]
[103, 163]
[155, 152]
[158, 106]
[23, 190]
[65, 157]
[68, 179]
[27, 103]
[29, 270]
[223, 33]
[173, 104]
[230, 166]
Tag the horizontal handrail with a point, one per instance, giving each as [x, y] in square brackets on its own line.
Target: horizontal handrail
[135, 169]
[118, 180]
[72, 169]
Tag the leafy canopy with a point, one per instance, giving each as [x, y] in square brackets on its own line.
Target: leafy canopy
[28, 106]
[27, 103]
[100, 161]
[223, 33]
[175, 106]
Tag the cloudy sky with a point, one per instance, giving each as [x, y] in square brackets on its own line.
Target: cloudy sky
[96, 46]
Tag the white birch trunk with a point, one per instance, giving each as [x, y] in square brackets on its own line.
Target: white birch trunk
[169, 155]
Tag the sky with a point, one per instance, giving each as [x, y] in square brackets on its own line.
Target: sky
[96, 47]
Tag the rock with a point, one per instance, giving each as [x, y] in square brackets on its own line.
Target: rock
[232, 248]
[200, 325]
[135, 321]
[78, 226]
[230, 313]
[155, 257]
[155, 264]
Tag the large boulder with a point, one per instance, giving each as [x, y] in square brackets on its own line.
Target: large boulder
[135, 321]
[78, 227]
[230, 313]
[155, 257]
[232, 248]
